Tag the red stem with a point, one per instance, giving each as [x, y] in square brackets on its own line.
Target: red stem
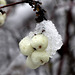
[12, 4]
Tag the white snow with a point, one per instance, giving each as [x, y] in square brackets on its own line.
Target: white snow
[54, 38]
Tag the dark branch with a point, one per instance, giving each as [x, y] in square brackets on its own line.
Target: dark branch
[12, 4]
[40, 13]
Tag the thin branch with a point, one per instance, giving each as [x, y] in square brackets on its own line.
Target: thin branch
[12, 4]
[40, 13]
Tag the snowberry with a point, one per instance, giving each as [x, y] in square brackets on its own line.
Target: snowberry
[39, 42]
[54, 38]
[2, 15]
[45, 44]
[40, 57]
[2, 2]
[30, 64]
[2, 18]
[25, 46]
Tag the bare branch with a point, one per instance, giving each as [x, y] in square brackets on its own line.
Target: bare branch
[12, 4]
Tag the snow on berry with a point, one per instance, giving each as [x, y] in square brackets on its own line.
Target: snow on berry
[48, 29]
[45, 40]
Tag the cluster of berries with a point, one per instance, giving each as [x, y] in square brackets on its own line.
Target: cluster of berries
[41, 44]
[2, 13]
[34, 48]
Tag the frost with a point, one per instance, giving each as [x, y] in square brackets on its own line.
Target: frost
[50, 31]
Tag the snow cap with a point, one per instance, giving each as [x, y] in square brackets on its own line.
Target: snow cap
[49, 30]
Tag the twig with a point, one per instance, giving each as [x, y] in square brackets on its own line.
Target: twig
[40, 13]
[12, 4]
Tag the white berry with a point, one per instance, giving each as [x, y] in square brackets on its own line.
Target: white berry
[2, 18]
[3, 2]
[40, 57]
[30, 64]
[39, 42]
[25, 46]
